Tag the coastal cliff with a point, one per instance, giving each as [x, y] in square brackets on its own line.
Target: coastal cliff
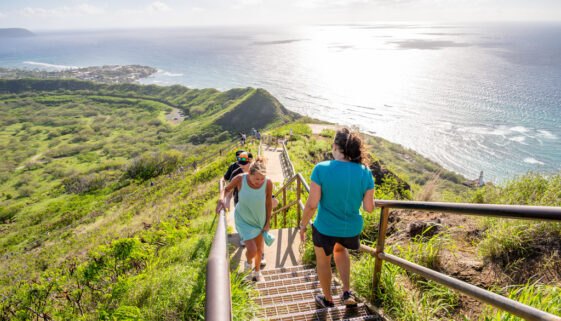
[15, 32]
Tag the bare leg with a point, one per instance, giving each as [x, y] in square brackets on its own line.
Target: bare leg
[259, 241]
[324, 272]
[343, 263]
[250, 250]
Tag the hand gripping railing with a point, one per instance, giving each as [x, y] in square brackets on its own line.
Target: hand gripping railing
[218, 305]
[505, 211]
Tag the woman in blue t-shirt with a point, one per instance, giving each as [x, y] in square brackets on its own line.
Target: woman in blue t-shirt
[337, 190]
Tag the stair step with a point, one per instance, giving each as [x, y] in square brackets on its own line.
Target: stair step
[287, 269]
[285, 282]
[288, 275]
[295, 296]
[291, 288]
[327, 314]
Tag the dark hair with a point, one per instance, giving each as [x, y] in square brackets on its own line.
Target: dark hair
[350, 144]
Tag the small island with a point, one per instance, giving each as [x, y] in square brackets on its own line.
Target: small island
[15, 32]
[102, 74]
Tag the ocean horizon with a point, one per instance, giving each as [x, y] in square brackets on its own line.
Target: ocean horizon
[470, 97]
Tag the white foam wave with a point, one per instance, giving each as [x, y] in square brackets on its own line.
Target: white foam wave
[531, 160]
[43, 64]
[520, 129]
[546, 134]
[169, 74]
[519, 139]
[500, 131]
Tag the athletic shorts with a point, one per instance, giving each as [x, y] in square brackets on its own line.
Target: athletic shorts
[328, 242]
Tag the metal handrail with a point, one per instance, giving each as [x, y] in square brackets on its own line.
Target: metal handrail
[490, 210]
[218, 306]
[506, 211]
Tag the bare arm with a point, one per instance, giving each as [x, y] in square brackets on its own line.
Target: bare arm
[310, 208]
[368, 200]
[268, 204]
[236, 182]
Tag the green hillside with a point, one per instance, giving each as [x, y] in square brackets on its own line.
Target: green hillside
[102, 215]
[107, 208]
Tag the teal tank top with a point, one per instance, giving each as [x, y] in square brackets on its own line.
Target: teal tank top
[250, 214]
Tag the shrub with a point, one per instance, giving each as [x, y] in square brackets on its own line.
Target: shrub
[153, 164]
[79, 184]
[8, 213]
[25, 191]
[326, 132]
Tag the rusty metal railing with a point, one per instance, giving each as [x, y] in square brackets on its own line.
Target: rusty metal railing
[218, 306]
[504, 211]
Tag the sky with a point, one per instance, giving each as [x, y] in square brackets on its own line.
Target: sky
[107, 14]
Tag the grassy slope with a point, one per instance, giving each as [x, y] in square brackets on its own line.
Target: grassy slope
[79, 255]
[496, 254]
[55, 240]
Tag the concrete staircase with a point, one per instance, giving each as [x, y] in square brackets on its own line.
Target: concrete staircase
[289, 294]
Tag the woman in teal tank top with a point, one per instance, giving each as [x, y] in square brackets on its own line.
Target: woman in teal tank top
[253, 211]
[337, 190]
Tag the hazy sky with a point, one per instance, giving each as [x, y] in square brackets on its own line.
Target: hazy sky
[100, 14]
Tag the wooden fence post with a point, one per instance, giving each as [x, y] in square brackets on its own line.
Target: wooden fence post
[384, 213]
[284, 204]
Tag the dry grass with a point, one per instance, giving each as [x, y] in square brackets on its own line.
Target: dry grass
[428, 193]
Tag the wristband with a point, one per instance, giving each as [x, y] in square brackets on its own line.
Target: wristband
[300, 226]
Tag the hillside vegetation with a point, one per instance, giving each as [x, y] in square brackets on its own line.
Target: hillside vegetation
[105, 208]
[519, 259]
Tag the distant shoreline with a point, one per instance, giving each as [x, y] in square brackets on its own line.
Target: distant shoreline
[15, 33]
[114, 74]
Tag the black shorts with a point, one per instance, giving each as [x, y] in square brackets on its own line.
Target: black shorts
[328, 242]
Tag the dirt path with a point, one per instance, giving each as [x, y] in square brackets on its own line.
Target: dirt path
[175, 117]
[274, 165]
[318, 128]
[33, 159]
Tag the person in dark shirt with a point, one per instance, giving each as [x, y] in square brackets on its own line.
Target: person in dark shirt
[228, 176]
[244, 161]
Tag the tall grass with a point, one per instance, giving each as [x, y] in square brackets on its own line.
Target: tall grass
[503, 237]
[401, 298]
[543, 297]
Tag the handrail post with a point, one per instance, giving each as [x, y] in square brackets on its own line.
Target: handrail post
[284, 204]
[384, 213]
[298, 187]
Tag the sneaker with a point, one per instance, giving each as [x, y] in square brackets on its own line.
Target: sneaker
[263, 261]
[349, 299]
[322, 303]
[247, 266]
[256, 276]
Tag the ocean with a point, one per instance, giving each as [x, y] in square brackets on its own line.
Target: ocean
[470, 97]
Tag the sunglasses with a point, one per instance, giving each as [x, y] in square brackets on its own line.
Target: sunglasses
[243, 159]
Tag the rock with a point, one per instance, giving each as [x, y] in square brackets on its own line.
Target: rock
[425, 228]
[379, 172]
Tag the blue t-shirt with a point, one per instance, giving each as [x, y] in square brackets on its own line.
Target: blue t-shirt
[343, 185]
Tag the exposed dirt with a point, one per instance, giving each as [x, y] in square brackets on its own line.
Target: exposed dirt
[461, 260]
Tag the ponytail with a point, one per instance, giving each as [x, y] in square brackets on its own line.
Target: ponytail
[351, 145]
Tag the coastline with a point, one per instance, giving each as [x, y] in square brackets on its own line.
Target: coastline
[113, 74]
